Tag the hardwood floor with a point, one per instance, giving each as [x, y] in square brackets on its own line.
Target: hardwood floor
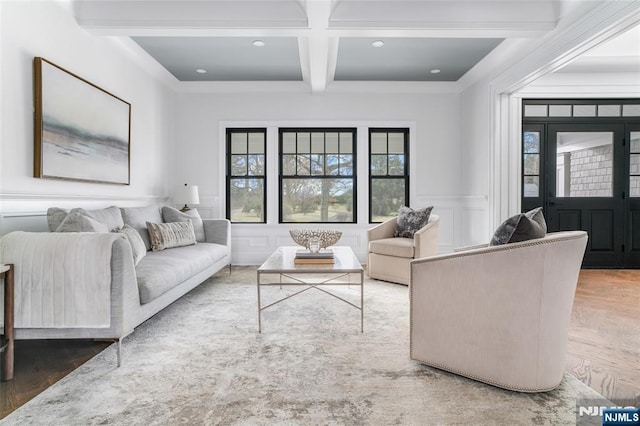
[603, 350]
[604, 337]
[41, 363]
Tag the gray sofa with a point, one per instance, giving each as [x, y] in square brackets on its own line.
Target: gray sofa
[87, 285]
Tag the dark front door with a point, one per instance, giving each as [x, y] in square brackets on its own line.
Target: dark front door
[585, 176]
[632, 241]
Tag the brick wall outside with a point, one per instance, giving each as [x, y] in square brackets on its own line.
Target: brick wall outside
[591, 172]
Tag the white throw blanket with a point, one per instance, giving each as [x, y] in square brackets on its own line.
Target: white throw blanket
[62, 280]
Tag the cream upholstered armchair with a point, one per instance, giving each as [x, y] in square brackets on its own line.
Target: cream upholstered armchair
[390, 257]
[498, 314]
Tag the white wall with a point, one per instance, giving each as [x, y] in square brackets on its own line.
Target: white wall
[48, 29]
[475, 162]
[436, 177]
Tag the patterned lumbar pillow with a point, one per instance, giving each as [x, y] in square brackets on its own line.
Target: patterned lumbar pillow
[520, 227]
[169, 214]
[138, 248]
[411, 221]
[77, 222]
[168, 235]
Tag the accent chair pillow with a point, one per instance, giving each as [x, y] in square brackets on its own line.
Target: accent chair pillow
[520, 227]
[411, 221]
[168, 235]
[170, 214]
[138, 249]
[77, 222]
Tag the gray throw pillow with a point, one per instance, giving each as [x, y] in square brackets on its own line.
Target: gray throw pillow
[110, 216]
[137, 218]
[55, 216]
[411, 221]
[520, 227]
[169, 214]
[168, 235]
[135, 240]
[77, 222]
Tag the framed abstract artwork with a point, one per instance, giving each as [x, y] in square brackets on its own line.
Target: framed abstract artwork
[81, 132]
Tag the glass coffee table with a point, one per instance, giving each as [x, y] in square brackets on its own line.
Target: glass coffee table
[281, 263]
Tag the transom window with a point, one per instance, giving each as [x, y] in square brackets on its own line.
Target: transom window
[317, 177]
[388, 172]
[246, 176]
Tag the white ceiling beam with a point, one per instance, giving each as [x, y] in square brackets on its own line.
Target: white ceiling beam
[318, 12]
[305, 32]
[173, 14]
[297, 18]
[541, 14]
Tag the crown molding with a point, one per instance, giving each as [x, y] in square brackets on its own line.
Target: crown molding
[599, 24]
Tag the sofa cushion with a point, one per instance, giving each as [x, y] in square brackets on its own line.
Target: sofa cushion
[398, 247]
[520, 227]
[137, 218]
[170, 214]
[110, 216]
[138, 248]
[55, 216]
[77, 222]
[169, 235]
[160, 271]
[411, 221]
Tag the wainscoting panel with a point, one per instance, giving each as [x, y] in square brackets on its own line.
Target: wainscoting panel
[463, 221]
[472, 232]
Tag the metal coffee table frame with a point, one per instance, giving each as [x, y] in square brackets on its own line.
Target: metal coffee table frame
[281, 263]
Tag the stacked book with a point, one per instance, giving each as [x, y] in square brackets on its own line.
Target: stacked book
[306, 256]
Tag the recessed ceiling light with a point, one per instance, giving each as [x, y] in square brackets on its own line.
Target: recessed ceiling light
[258, 43]
[435, 71]
[377, 43]
[201, 71]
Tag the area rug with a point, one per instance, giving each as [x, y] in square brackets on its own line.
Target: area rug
[202, 361]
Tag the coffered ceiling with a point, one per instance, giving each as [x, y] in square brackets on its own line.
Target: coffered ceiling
[318, 43]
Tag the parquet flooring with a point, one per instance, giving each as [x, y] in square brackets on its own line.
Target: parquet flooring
[603, 349]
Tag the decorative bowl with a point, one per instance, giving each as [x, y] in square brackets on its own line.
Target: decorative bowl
[325, 237]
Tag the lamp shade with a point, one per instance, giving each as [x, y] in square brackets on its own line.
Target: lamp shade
[187, 194]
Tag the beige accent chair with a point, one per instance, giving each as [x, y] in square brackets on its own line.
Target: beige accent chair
[390, 257]
[498, 314]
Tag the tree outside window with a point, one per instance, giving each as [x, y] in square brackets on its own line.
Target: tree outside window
[246, 178]
[388, 172]
[317, 179]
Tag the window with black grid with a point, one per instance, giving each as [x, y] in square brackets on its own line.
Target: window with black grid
[246, 175]
[317, 176]
[388, 172]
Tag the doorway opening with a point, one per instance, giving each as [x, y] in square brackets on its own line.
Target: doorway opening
[581, 163]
